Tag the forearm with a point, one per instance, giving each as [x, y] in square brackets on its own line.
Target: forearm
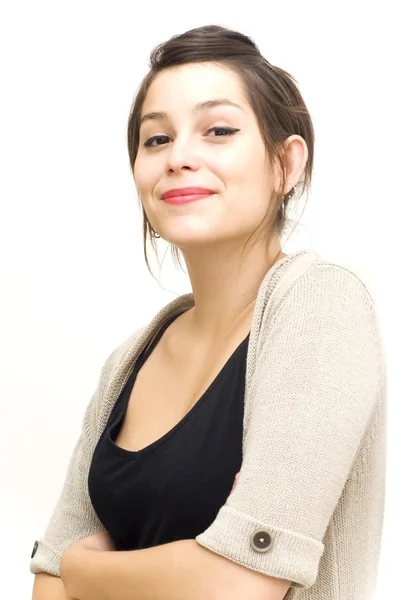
[181, 570]
[47, 587]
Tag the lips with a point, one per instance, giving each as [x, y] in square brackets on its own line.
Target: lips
[188, 191]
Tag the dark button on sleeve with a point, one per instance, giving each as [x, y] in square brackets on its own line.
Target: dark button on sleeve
[35, 547]
[261, 540]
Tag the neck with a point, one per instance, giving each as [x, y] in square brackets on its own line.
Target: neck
[225, 286]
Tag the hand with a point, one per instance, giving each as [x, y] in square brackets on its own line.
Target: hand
[73, 560]
[234, 484]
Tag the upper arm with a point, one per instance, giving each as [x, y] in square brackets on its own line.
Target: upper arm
[228, 580]
[316, 381]
[73, 517]
[251, 584]
[260, 587]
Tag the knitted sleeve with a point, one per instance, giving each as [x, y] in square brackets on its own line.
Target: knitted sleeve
[316, 381]
[73, 517]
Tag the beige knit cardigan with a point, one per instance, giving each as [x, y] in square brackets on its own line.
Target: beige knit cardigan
[309, 501]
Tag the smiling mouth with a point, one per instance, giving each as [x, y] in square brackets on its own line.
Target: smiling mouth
[187, 198]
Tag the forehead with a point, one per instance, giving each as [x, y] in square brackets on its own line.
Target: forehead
[184, 86]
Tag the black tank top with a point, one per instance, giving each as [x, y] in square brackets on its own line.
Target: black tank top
[173, 488]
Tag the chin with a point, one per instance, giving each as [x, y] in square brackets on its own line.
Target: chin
[187, 243]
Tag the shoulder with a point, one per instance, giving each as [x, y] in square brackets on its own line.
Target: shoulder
[98, 405]
[331, 277]
[321, 302]
[331, 303]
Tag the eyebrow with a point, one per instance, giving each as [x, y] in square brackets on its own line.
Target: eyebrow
[198, 107]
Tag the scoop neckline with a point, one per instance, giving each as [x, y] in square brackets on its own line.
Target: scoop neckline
[136, 454]
[174, 309]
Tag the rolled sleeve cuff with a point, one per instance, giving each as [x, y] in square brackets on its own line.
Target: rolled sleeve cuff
[45, 560]
[263, 548]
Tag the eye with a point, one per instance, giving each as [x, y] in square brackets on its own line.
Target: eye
[149, 144]
[225, 132]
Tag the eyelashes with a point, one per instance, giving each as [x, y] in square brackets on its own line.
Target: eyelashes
[226, 130]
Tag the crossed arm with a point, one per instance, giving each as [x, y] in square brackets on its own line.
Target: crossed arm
[181, 570]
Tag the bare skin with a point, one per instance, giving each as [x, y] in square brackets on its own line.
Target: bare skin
[180, 355]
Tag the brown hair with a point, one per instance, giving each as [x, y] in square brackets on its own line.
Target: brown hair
[272, 92]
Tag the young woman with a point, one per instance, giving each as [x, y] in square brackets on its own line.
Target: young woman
[235, 445]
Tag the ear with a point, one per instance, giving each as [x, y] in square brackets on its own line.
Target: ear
[294, 155]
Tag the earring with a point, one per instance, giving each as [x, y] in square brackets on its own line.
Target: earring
[153, 232]
[290, 193]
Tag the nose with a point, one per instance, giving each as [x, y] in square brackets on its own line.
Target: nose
[181, 156]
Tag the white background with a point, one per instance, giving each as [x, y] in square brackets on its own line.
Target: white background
[73, 281]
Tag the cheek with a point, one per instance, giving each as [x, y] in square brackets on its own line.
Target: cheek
[145, 175]
[248, 186]
[242, 162]
[244, 173]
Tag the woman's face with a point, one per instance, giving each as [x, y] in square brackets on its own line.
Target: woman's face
[182, 149]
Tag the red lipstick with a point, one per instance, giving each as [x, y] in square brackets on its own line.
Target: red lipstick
[184, 195]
